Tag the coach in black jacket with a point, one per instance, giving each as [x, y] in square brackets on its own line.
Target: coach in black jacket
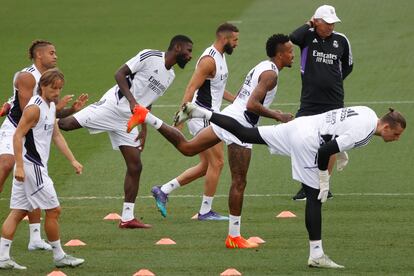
[326, 60]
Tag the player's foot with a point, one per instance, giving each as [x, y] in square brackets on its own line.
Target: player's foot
[239, 242]
[39, 245]
[133, 223]
[161, 199]
[184, 114]
[137, 118]
[10, 264]
[211, 215]
[301, 195]
[323, 262]
[68, 260]
[5, 109]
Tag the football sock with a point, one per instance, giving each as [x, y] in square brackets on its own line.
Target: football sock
[315, 249]
[5, 246]
[170, 186]
[153, 121]
[200, 112]
[34, 229]
[234, 225]
[58, 252]
[206, 204]
[128, 211]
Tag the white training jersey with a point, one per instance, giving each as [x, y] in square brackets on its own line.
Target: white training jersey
[37, 140]
[238, 107]
[351, 126]
[149, 78]
[15, 112]
[210, 94]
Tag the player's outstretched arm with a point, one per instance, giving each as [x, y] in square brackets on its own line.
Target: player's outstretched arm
[61, 144]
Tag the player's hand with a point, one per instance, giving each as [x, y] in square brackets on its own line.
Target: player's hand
[285, 117]
[19, 174]
[77, 166]
[341, 160]
[80, 102]
[323, 185]
[142, 135]
[63, 102]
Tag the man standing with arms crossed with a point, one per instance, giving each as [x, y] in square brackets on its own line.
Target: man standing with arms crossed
[206, 89]
[326, 60]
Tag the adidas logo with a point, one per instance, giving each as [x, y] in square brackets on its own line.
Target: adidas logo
[316, 247]
[236, 223]
[36, 230]
[127, 208]
[315, 40]
[156, 71]
[172, 185]
[205, 202]
[7, 245]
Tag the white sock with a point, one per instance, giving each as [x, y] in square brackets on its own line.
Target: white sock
[58, 252]
[200, 112]
[153, 121]
[170, 186]
[315, 249]
[234, 225]
[206, 204]
[34, 229]
[5, 246]
[128, 211]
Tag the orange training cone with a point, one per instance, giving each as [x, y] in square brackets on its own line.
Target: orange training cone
[256, 240]
[144, 272]
[286, 214]
[112, 216]
[75, 243]
[230, 272]
[56, 273]
[165, 241]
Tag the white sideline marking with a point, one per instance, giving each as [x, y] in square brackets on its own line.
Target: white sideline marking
[297, 104]
[248, 195]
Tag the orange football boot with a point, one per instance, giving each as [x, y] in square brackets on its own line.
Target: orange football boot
[239, 242]
[137, 117]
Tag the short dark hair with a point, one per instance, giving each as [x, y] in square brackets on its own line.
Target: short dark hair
[49, 77]
[36, 45]
[226, 27]
[274, 42]
[179, 39]
[394, 118]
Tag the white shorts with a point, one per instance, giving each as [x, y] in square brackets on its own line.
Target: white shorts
[225, 135]
[7, 131]
[196, 125]
[301, 144]
[37, 190]
[110, 114]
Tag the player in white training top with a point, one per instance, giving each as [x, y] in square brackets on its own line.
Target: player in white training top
[207, 88]
[25, 85]
[142, 79]
[32, 186]
[310, 141]
[252, 101]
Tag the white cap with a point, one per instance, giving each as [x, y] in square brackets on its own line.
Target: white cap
[327, 13]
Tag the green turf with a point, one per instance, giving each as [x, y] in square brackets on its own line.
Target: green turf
[368, 226]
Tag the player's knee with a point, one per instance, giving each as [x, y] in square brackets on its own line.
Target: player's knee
[134, 168]
[53, 213]
[7, 164]
[68, 123]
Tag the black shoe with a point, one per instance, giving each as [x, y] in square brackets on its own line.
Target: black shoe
[300, 195]
[330, 195]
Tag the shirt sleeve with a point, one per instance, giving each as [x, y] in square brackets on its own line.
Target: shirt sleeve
[298, 36]
[346, 59]
[135, 64]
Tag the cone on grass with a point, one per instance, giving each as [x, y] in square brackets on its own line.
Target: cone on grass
[165, 241]
[56, 273]
[112, 216]
[75, 243]
[230, 272]
[286, 214]
[144, 272]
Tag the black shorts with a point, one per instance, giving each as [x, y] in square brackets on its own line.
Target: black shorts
[314, 109]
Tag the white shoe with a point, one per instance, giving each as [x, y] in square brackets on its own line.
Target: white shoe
[184, 114]
[324, 262]
[10, 264]
[39, 245]
[69, 260]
